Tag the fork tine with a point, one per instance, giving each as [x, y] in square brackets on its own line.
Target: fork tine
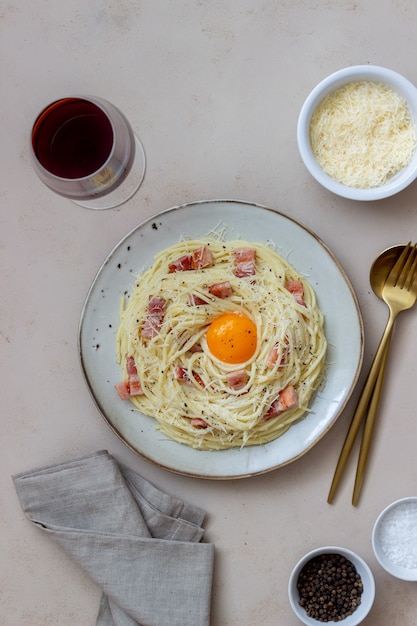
[412, 274]
[405, 272]
[395, 273]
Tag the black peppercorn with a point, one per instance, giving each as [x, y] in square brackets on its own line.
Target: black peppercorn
[329, 587]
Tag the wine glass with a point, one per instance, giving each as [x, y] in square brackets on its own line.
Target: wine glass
[84, 148]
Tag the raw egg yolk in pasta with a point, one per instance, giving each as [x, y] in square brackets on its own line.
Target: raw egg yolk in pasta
[232, 338]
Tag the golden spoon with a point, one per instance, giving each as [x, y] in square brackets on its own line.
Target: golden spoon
[382, 266]
[380, 269]
[369, 399]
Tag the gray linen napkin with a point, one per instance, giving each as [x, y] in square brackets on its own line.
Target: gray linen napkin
[140, 545]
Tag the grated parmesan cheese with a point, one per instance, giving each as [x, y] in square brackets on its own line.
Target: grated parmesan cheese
[363, 134]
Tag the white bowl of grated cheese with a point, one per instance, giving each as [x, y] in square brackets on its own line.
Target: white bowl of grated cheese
[357, 132]
[394, 539]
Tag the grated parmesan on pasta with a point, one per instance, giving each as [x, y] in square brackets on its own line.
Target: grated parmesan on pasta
[363, 134]
[234, 418]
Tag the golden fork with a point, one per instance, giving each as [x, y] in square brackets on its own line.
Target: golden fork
[399, 293]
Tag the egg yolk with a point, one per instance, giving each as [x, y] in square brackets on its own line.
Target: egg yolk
[232, 338]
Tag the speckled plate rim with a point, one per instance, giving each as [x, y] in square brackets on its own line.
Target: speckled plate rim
[304, 250]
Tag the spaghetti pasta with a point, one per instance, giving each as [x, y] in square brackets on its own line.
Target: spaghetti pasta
[170, 373]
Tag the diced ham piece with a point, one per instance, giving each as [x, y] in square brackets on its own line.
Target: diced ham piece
[198, 422]
[131, 366]
[156, 307]
[196, 348]
[197, 260]
[181, 374]
[296, 287]
[198, 379]
[287, 399]
[237, 380]
[244, 254]
[273, 355]
[153, 321]
[201, 258]
[182, 264]
[194, 300]
[150, 328]
[123, 389]
[135, 388]
[221, 290]
[244, 262]
[131, 386]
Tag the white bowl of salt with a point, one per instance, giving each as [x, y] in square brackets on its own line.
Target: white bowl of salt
[394, 538]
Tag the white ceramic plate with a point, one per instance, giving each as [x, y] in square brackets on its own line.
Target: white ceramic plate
[308, 255]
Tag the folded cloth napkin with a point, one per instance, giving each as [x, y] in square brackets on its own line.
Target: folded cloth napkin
[141, 546]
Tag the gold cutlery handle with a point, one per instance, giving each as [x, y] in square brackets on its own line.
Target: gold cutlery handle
[369, 427]
[362, 405]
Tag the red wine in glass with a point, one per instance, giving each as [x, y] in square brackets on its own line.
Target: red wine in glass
[85, 149]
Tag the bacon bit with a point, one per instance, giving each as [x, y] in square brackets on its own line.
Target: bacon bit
[131, 366]
[133, 382]
[150, 328]
[181, 374]
[237, 380]
[244, 269]
[135, 387]
[199, 379]
[195, 348]
[123, 389]
[245, 262]
[198, 422]
[153, 322]
[180, 265]
[201, 258]
[156, 306]
[131, 386]
[273, 355]
[221, 290]
[287, 399]
[197, 260]
[296, 287]
[244, 254]
[194, 300]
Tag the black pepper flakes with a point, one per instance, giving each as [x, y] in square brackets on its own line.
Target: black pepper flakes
[330, 588]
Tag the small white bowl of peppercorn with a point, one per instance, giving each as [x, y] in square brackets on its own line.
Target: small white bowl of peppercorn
[331, 584]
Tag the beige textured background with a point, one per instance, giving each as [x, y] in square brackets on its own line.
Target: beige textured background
[214, 89]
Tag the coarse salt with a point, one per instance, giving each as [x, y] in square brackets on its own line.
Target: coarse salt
[398, 535]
